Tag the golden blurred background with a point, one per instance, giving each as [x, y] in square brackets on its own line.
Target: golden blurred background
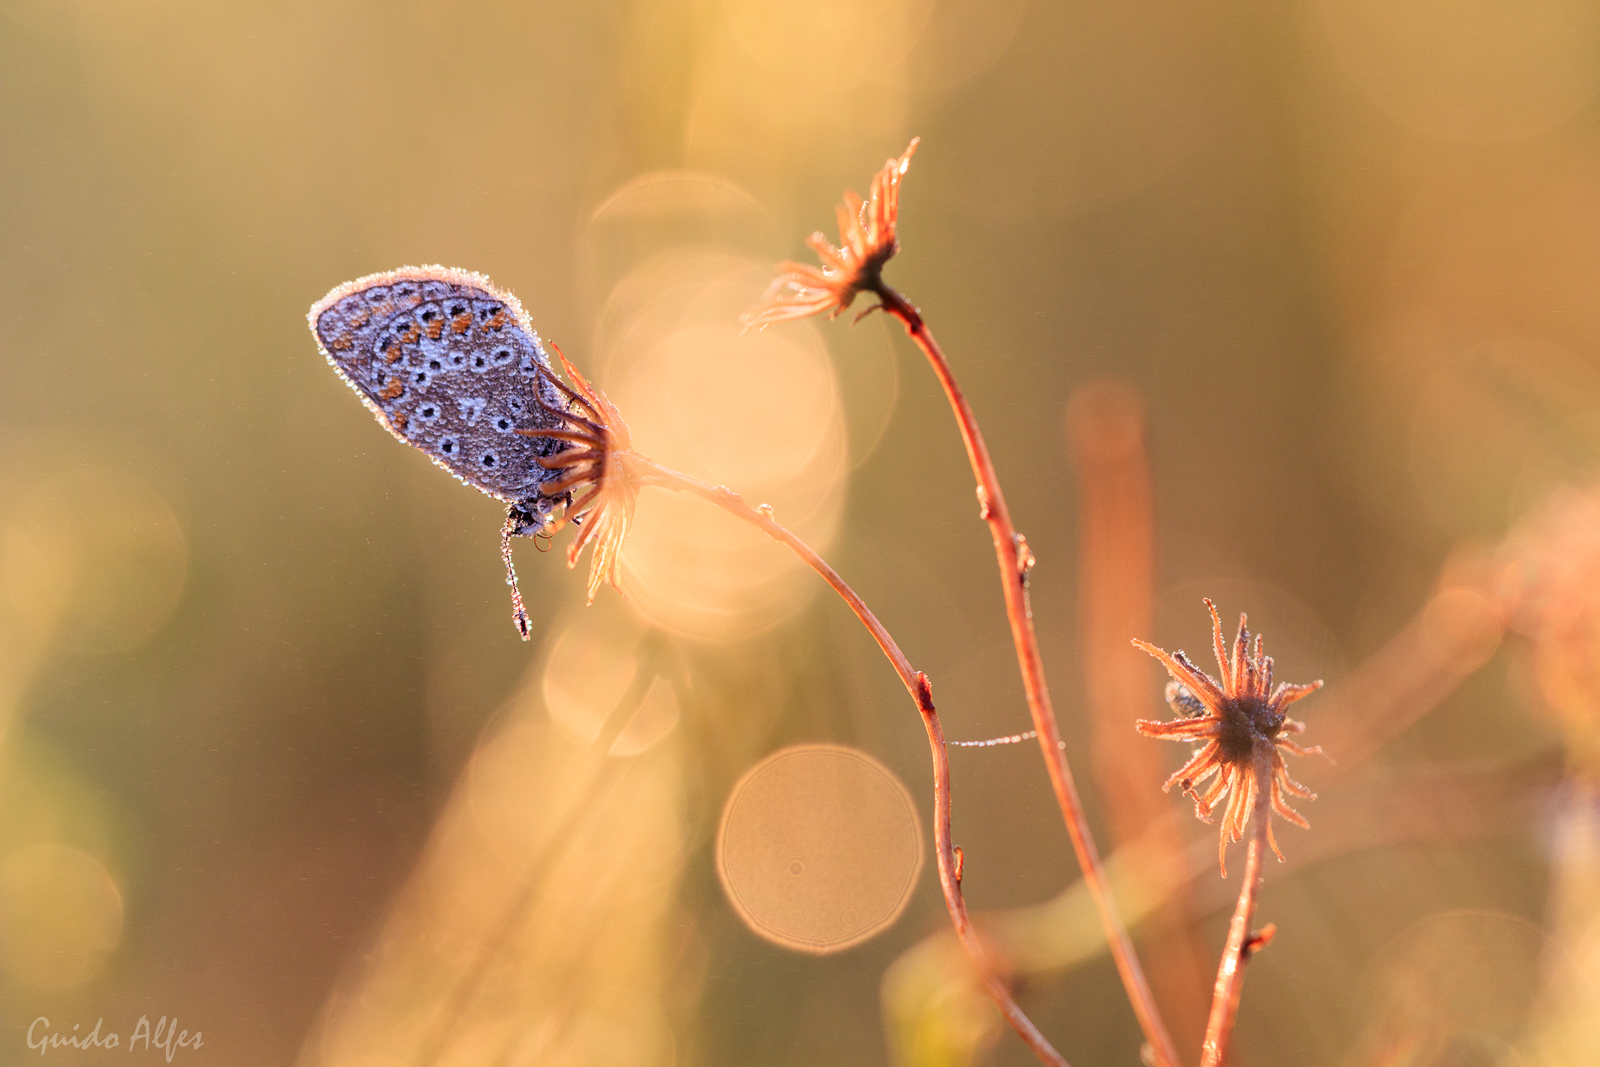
[1289, 305]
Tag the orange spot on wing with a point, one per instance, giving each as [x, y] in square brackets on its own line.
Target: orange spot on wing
[359, 319]
[393, 389]
[498, 320]
[435, 328]
[410, 334]
[342, 343]
[400, 420]
[461, 322]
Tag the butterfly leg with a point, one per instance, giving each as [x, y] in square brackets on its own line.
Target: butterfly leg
[519, 523]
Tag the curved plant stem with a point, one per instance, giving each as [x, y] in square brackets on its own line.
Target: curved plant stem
[921, 691]
[1230, 974]
[1011, 550]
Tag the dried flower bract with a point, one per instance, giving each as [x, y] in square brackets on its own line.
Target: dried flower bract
[867, 240]
[597, 476]
[1241, 722]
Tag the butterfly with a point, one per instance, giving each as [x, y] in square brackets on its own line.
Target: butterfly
[450, 365]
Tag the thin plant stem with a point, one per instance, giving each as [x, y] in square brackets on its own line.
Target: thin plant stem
[1011, 551]
[921, 691]
[1236, 953]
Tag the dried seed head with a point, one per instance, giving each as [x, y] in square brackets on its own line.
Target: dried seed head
[1240, 724]
[868, 238]
[596, 476]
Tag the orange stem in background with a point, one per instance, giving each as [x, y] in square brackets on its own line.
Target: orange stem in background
[1105, 431]
[1011, 551]
[921, 691]
[1230, 974]
[1116, 551]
